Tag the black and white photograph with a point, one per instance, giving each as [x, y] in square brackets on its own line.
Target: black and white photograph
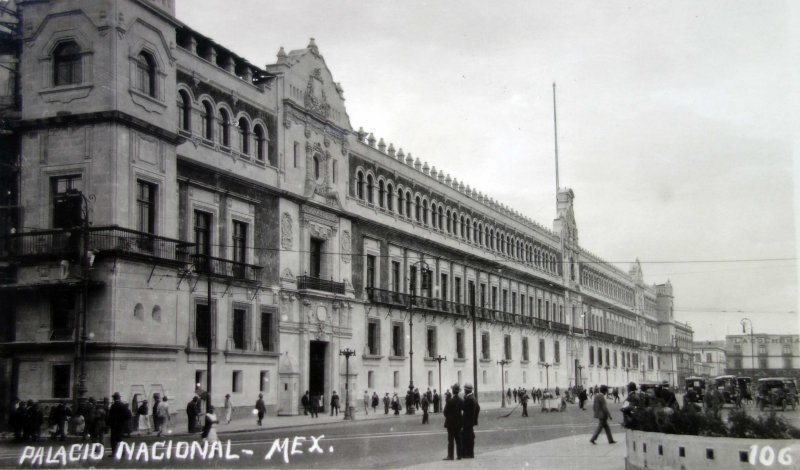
[353, 234]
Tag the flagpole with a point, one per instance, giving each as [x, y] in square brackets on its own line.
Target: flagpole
[555, 128]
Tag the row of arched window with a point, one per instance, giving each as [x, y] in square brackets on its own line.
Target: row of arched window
[216, 124]
[448, 220]
[606, 286]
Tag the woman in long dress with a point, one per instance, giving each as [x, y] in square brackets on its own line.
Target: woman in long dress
[210, 425]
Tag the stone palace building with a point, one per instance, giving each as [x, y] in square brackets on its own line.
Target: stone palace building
[162, 196]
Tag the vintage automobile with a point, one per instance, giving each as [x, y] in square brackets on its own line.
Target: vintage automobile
[791, 389]
[698, 385]
[773, 393]
[744, 388]
[729, 388]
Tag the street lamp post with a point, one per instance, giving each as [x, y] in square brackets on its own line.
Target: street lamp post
[439, 358]
[348, 410]
[752, 345]
[580, 375]
[502, 382]
[606, 368]
[627, 377]
[413, 288]
[547, 376]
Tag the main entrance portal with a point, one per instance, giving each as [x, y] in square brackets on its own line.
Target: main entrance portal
[316, 371]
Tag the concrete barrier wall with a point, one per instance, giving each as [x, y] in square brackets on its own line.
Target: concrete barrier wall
[670, 451]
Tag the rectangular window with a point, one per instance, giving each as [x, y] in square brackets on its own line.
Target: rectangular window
[269, 331]
[202, 232]
[443, 286]
[263, 381]
[62, 317]
[333, 171]
[315, 258]
[505, 300]
[591, 355]
[430, 342]
[542, 354]
[513, 302]
[507, 347]
[485, 352]
[296, 154]
[483, 295]
[786, 349]
[494, 297]
[547, 310]
[615, 358]
[397, 339]
[457, 290]
[697, 357]
[202, 325]
[556, 352]
[787, 362]
[608, 356]
[538, 308]
[66, 210]
[737, 348]
[762, 349]
[62, 378]
[239, 336]
[374, 336]
[239, 241]
[236, 381]
[522, 304]
[370, 379]
[737, 363]
[395, 276]
[145, 207]
[412, 280]
[525, 356]
[396, 379]
[371, 271]
[762, 363]
[460, 344]
[599, 356]
[708, 357]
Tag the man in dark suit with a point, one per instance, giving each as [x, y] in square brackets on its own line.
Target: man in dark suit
[453, 421]
[117, 419]
[471, 410]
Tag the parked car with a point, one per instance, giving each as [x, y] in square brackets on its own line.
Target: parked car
[791, 390]
[772, 393]
[698, 384]
[729, 388]
[745, 384]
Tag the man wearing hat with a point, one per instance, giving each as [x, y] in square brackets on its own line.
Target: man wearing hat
[118, 417]
[453, 421]
[471, 410]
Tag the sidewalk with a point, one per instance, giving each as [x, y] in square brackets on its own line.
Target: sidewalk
[566, 453]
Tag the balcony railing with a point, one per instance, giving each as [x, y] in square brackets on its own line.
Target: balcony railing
[225, 268]
[65, 244]
[324, 285]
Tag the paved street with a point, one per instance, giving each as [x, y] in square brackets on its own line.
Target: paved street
[543, 440]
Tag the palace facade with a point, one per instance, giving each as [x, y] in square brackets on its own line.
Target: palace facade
[163, 196]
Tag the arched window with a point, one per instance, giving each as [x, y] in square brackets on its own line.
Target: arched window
[381, 194]
[389, 196]
[145, 80]
[184, 111]
[409, 201]
[208, 120]
[434, 215]
[360, 185]
[417, 209]
[244, 136]
[369, 189]
[224, 128]
[425, 212]
[491, 239]
[261, 144]
[67, 66]
[480, 234]
[449, 222]
[441, 218]
[400, 201]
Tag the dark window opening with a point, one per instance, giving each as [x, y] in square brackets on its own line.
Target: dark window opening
[67, 67]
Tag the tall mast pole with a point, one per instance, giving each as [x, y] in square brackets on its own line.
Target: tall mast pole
[555, 128]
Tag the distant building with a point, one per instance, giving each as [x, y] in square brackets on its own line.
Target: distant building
[709, 358]
[763, 355]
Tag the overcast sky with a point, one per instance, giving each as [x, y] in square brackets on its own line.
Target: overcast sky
[673, 124]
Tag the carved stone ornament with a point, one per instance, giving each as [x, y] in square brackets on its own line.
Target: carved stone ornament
[286, 231]
[347, 284]
[287, 123]
[346, 249]
[322, 313]
[287, 274]
[314, 103]
[320, 231]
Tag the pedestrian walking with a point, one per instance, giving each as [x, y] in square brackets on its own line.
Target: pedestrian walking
[523, 399]
[424, 404]
[32, 425]
[228, 408]
[602, 415]
[17, 418]
[395, 404]
[209, 433]
[164, 418]
[58, 420]
[437, 402]
[118, 417]
[615, 393]
[191, 414]
[375, 402]
[306, 402]
[261, 409]
[515, 395]
[453, 421]
[314, 402]
[366, 402]
[470, 417]
[142, 415]
[334, 403]
[156, 420]
[386, 402]
[582, 398]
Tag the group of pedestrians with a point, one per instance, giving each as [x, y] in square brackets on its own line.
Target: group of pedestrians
[460, 418]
